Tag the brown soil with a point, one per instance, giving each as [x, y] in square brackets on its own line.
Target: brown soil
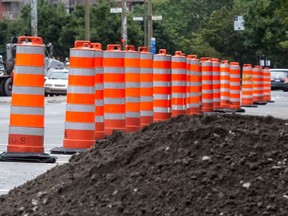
[200, 165]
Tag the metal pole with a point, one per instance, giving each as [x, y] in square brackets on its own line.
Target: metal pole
[150, 24]
[87, 20]
[124, 23]
[34, 19]
[145, 23]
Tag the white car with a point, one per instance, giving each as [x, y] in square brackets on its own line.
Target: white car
[56, 82]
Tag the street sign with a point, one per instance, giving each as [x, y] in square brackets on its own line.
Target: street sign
[138, 18]
[239, 23]
[153, 45]
[115, 10]
[156, 17]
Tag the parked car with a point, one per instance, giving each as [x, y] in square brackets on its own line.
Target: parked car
[56, 82]
[279, 79]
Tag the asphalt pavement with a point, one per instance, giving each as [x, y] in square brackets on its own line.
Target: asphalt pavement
[15, 174]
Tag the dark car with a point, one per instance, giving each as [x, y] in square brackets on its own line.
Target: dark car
[279, 79]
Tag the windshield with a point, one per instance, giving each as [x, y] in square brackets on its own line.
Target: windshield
[278, 75]
[59, 75]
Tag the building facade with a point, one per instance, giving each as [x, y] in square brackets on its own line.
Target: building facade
[10, 9]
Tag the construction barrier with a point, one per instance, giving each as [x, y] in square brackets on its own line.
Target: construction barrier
[235, 85]
[258, 92]
[114, 89]
[146, 86]
[178, 88]
[99, 98]
[132, 89]
[224, 85]
[162, 86]
[207, 84]
[267, 84]
[194, 80]
[26, 129]
[247, 86]
[79, 132]
[216, 83]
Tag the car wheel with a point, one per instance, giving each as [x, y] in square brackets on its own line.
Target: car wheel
[285, 90]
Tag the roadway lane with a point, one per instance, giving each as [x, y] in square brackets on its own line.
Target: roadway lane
[15, 174]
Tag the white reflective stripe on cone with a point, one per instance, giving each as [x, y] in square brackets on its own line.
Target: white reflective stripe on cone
[114, 85]
[179, 83]
[161, 71]
[28, 70]
[82, 71]
[161, 84]
[114, 101]
[162, 110]
[114, 116]
[114, 70]
[178, 95]
[178, 107]
[27, 110]
[113, 54]
[79, 126]
[132, 55]
[146, 70]
[26, 131]
[80, 108]
[161, 96]
[81, 89]
[179, 71]
[99, 102]
[133, 70]
[146, 113]
[146, 84]
[99, 70]
[132, 84]
[132, 99]
[132, 114]
[88, 53]
[207, 100]
[28, 90]
[99, 86]
[99, 119]
[24, 49]
[146, 98]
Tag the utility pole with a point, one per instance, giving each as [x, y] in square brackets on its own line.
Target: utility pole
[145, 23]
[149, 24]
[34, 19]
[124, 23]
[87, 20]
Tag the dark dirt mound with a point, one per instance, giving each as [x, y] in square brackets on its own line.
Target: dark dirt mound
[188, 165]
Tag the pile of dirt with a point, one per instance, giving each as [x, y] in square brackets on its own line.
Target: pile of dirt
[189, 165]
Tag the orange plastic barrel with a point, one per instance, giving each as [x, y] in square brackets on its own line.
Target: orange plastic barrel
[178, 70]
[257, 84]
[146, 86]
[188, 77]
[216, 83]
[235, 85]
[267, 84]
[194, 85]
[132, 92]
[207, 84]
[247, 85]
[26, 129]
[80, 108]
[162, 86]
[99, 99]
[224, 84]
[114, 89]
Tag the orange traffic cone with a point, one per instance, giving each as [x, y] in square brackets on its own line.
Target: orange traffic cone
[26, 130]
